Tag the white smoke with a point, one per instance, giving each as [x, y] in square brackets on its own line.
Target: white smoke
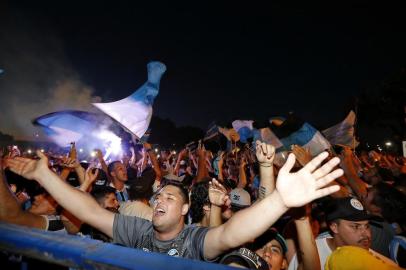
[37, 77]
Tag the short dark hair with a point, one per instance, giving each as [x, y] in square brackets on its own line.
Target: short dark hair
[140, 190]
[111, 166]
[183, 190]
[199, 198]
[100, 192]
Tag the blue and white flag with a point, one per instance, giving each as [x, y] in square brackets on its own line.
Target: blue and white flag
[135, 112]
[267, 136]
[343, 132]
[88, 130]
[308, 137]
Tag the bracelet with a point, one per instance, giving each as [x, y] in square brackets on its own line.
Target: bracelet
[268, 165]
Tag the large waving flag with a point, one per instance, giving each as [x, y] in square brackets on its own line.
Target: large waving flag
[135, 112]
[343, 132]
[88, 130]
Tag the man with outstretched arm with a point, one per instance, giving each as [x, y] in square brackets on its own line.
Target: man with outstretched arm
[167, 232]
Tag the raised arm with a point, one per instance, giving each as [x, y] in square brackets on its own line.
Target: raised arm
[265, 155]
[79, 203]
[103, 164]
[292, 190]
[242, 176]
[154, 161]
[10, 209]
[218, 197]
[356, 184]
[307, 253]
[202, 171]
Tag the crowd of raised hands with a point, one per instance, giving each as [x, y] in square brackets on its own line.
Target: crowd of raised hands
[250, 169]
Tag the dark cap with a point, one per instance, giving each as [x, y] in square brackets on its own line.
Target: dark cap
[346, 208]
[266, 237]
[246, 258]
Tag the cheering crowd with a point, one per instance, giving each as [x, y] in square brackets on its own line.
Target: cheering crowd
[340, 209]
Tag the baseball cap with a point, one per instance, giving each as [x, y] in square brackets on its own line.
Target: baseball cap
[246, 258]
[346, 208]
[268, 236]
[240, 198]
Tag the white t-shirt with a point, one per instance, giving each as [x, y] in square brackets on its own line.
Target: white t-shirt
[323, 249]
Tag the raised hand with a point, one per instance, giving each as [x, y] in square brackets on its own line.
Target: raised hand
[265, 153]
[99, 153]
[147, 146]
[28, 168]
[91, 175]
[306, 185]
[218, 194]
[70, 163]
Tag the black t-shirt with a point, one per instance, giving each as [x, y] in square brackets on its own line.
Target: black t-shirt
[139, 233]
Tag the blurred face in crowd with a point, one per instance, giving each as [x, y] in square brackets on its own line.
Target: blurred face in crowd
[110, 201]
[169, 208]
[352, 233]
[43, 205]
[119, 172]
[368, 202]
[272, 253]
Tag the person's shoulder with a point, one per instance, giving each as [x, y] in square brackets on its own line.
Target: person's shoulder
[193, 229]
[324, 236]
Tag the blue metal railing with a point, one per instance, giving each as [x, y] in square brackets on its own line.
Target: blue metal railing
[85, 253]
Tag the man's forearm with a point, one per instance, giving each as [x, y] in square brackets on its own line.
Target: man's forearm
[215, 216]
[201, 169]
[242, 179]
[266, 181]
[254, 220]
[8, 203]
[155, 165]
[79, 203]
[307, 245]
[10, 210]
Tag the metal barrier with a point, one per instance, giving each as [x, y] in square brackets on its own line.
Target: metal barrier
[85, 253]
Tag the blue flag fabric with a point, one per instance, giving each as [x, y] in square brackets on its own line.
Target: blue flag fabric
[88, 130]
[135, 111]
[307, 137]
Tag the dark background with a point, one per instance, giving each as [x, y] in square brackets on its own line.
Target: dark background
[224, 60]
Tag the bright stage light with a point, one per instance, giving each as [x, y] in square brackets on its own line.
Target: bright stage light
[112, 143]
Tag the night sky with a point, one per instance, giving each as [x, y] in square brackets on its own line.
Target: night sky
[224, 60]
